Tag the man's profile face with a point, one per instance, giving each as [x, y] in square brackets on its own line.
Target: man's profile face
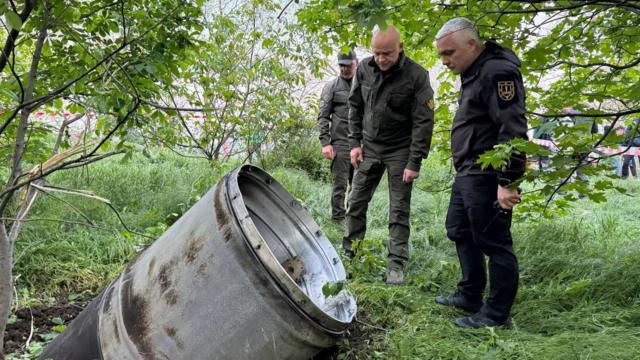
[385, 52]
[457, 54]
[347, 71]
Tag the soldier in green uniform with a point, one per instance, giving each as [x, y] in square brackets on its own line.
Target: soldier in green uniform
[390, 128]
[333, 128]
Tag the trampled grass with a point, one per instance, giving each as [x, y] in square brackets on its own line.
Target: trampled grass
[580, 275]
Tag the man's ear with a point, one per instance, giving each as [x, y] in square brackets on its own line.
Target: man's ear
[401, 46]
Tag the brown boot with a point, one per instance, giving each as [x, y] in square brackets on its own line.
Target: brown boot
[395, 277]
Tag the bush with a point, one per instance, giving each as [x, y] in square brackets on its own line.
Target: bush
[304, 152]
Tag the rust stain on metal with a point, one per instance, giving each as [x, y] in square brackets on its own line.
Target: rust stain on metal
[164, 277]
[152, 264]
[201, 272]
[165, 282]
[226, 233]
[221, 216]
[201, 269]
[116, 332]
[135, 314]
[171, 297]
[173, 334]
[192, 249]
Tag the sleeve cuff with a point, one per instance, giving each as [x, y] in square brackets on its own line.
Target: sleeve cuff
[504, 182]
[505, 179]
[411, 165]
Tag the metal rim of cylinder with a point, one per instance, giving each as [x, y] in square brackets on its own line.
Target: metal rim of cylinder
[260, 249]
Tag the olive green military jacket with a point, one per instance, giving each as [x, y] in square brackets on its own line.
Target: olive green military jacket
[391, 113]
[333, 119]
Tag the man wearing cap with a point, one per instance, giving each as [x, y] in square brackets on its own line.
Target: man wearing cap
[491, 110]
[333, 128]
[390, 127]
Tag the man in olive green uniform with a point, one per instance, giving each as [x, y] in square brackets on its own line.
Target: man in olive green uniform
[333, 127]
[390, 128]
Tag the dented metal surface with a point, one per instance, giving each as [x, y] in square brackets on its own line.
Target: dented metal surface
[239, 276]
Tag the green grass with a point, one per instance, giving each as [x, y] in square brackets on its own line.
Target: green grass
[55, 258]
[579, 295]
[580, 275]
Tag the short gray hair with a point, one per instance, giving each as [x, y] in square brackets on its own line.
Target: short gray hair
[458, 24]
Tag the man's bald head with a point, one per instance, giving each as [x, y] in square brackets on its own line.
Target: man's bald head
[386, 47]
[391, 34]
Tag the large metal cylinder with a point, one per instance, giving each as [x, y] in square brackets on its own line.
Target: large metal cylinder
[238, 276]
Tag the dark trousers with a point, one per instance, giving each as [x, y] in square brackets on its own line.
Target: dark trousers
[581, 159]
[479, 229]
[628, 163]
[342, 174]
[365, 181]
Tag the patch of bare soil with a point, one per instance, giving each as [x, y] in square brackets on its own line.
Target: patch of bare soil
[17, 333]
[357, 334]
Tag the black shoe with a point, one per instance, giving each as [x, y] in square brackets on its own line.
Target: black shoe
[459, 301]
[478, 321]
[350, 254]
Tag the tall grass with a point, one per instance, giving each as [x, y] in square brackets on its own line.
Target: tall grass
[580, 275]
[579, 295]
[54, 258]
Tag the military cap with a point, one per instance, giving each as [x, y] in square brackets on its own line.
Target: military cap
[346, 59]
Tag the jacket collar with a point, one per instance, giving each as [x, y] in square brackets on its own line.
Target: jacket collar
[347, 81]
[491, 51]
[475, 67]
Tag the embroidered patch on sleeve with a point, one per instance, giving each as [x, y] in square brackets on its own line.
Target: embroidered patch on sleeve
[431, 104]
[325, 100]
[506, 90]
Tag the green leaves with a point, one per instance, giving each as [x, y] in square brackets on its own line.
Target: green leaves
[333, 288]
[13, 20]
[579, 55]
[247, 72]
[59, 328]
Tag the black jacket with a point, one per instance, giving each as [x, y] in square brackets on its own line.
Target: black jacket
[631, 136]
[491, 111]
[391, 114]
[333, 120]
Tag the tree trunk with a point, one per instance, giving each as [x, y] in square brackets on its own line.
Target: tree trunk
[7, 240]
[6, 283]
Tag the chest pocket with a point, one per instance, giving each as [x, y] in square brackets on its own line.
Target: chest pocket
[400, 101]
[340, 97]
[366, 93]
